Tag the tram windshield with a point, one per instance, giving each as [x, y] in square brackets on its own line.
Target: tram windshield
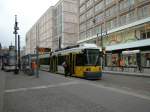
[92, 56]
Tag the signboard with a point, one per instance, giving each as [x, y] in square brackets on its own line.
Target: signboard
[42, 50]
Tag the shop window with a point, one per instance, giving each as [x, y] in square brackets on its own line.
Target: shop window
[112, 60]
[115, 60]
[108, 57]
[145, 59]
[130, 60]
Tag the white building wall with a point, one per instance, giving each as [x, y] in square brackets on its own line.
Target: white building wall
[41, 33]
[59, 21]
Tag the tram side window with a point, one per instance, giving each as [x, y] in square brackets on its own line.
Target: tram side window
[145, 59]
[60, 60]
[79, 60]
[44, 61]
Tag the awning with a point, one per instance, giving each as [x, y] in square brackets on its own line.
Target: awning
[138, 43]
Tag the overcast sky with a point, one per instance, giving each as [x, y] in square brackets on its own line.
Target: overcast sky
[28, 12]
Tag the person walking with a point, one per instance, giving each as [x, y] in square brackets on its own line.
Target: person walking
[66, 68]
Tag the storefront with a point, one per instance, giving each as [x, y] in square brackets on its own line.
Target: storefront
[129, 57]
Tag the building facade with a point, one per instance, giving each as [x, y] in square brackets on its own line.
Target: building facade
[66, 24]
[122, 27]
[41, 32]
[56, 28]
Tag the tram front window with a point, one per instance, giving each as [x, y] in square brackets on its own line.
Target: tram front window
[92, 56]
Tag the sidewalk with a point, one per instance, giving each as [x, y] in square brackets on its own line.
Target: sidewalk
[128, 73]
[2, 87]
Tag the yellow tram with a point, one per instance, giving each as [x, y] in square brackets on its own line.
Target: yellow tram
[83, 61]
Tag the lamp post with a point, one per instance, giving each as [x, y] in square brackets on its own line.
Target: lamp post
[16, 28]
[19, 60]
[102, 46]
[37, 62]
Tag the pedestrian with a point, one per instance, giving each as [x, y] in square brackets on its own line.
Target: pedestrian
[34, 67]
[66, 68]
[122, 64]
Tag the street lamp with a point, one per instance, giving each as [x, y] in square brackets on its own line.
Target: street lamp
[16, 28]
[101, 35]
[37, 62]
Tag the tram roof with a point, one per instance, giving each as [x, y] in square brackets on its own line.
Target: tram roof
[77, 49]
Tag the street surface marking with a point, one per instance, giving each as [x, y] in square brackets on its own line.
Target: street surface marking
[41, 87]
[121, 91]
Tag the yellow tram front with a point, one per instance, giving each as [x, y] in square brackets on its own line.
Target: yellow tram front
[88, 64]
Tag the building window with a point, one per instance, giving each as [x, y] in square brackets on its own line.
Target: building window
[111, 11]
[123, 20]
[90, 33]
[82, 35]
[89, 23]
[143, 11]
[90, 13]
[97, 29]
[82, 18]
[82, 9]
[99, 6]
[82, 27]
[131, 16]
[96, 0]
[89, 3]
[124, 4]
[82, 1]
[111, 24]
[99, 18]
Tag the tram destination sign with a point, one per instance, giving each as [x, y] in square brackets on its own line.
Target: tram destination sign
[42, 50]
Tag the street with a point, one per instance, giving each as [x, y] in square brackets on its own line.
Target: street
[56, 93]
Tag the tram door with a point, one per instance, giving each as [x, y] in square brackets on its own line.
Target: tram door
[72, 62]
[53, 64]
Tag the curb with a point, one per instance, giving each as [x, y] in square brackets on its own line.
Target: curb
[128, 74]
